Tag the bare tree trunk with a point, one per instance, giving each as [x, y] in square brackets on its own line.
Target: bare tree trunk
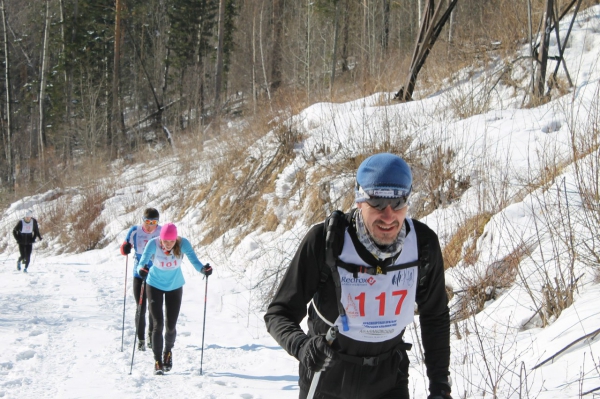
[262, 55]
[335, 45]
[450, 25]
[116, 69]
[308, 48]
[107, 112]
[531, 55]
[428, 34]
[69, 85]
[254, 91]
[277, 39]
[166, 76]
[42, 135]
[365, 41]
[219, 71]
[66, 152]
[9, 149]
[386, 25]
[543, 51]
[346, 37]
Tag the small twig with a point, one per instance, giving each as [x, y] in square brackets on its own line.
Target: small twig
[590, 391]
[592, 334]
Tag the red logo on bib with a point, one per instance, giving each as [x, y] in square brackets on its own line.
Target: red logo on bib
[371, 280]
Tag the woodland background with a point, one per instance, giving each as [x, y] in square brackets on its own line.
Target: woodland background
[84, 82]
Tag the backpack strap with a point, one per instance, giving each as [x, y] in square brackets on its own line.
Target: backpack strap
[355, 269]
[423, 264]
[335, 228]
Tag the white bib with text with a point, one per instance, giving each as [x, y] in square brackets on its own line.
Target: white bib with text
[378, 306]
[142, 238]
[26, 228]
[164, 261]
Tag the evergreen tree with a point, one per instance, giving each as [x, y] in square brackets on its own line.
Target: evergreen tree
[192, 27]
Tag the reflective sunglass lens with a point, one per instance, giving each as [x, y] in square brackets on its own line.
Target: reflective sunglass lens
[382, 203]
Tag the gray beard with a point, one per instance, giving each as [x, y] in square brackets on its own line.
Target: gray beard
[381, 252]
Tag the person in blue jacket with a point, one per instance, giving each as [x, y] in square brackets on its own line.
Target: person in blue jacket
[136, 239]
[164, 283]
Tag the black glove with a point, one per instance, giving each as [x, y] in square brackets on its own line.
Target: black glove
[439, 390]
[125, 248]
[144, 272]
[207, 270]
[315, 353]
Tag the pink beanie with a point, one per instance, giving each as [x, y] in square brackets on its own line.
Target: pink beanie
[168, 232]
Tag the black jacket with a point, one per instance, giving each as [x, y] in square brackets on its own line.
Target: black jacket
[26, 238]
[301, 283]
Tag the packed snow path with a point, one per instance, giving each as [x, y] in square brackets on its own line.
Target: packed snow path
[61, 325]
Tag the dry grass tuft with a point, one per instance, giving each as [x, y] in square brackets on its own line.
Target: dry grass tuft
[462, 245]
[436, 180]
[76, 220]
[242, 179]
[490, 284]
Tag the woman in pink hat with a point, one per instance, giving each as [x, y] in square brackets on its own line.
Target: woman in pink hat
[164, 283]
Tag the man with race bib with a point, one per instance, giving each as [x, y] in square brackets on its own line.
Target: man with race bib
[25, 232]
[363, 299]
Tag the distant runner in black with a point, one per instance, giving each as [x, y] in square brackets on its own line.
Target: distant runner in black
[25, 232]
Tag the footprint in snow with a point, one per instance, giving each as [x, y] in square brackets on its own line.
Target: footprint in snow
[6, 365]
[26, 355]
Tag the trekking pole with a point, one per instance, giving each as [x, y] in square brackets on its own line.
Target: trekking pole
[124, 297]
[203, 324]
[330, 337]
[137, 315]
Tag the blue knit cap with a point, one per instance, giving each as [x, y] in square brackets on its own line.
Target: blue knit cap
[383, 175]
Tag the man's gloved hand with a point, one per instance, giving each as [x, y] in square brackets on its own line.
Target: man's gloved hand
[125, 248]
[207, 270]
[439, 390]
[315, 353]
[144, 272]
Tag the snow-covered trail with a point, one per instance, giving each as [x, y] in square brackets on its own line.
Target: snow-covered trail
[61, 326]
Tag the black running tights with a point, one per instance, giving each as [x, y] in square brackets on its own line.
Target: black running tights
[25, 252]
[172, 302]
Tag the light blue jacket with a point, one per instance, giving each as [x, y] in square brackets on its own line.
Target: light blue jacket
[138, 238]
[165, 272]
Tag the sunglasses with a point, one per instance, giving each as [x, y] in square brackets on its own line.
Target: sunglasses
[151, 222]
[382, 203]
